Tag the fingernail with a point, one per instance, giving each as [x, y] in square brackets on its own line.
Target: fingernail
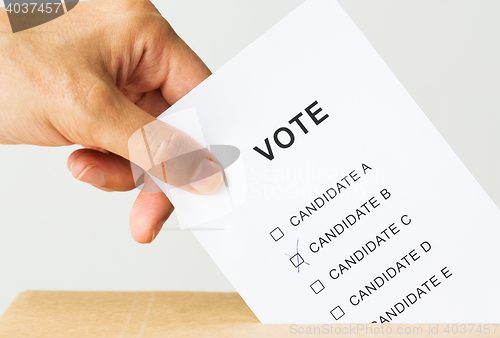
[70, 165]
[157, 229]
[208, 177]
[92, 175]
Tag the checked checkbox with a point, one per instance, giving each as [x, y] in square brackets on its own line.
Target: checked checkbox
[296, 260]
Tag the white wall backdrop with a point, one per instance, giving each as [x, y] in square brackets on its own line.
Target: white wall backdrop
[59, 234]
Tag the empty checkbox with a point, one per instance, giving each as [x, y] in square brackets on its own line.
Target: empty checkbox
[296, 260]
[337, 313]
[317, 286]
[276, 234]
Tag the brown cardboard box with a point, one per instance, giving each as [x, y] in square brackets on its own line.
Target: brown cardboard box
[170, 314]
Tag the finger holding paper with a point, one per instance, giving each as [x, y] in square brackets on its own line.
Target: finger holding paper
[105, 88]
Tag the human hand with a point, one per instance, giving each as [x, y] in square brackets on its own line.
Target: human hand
[99, 76]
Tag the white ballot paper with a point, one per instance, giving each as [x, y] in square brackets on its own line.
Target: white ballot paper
[350, 207]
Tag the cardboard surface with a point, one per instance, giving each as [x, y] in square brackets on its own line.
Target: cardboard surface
[170, 314]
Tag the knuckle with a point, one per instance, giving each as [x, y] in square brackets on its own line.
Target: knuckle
[140, 4]
[171, 146]
[176, 142]
[139, 10]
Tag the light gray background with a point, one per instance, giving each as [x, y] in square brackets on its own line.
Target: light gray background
[59, 234]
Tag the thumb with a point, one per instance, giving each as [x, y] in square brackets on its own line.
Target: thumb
[167, 153]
